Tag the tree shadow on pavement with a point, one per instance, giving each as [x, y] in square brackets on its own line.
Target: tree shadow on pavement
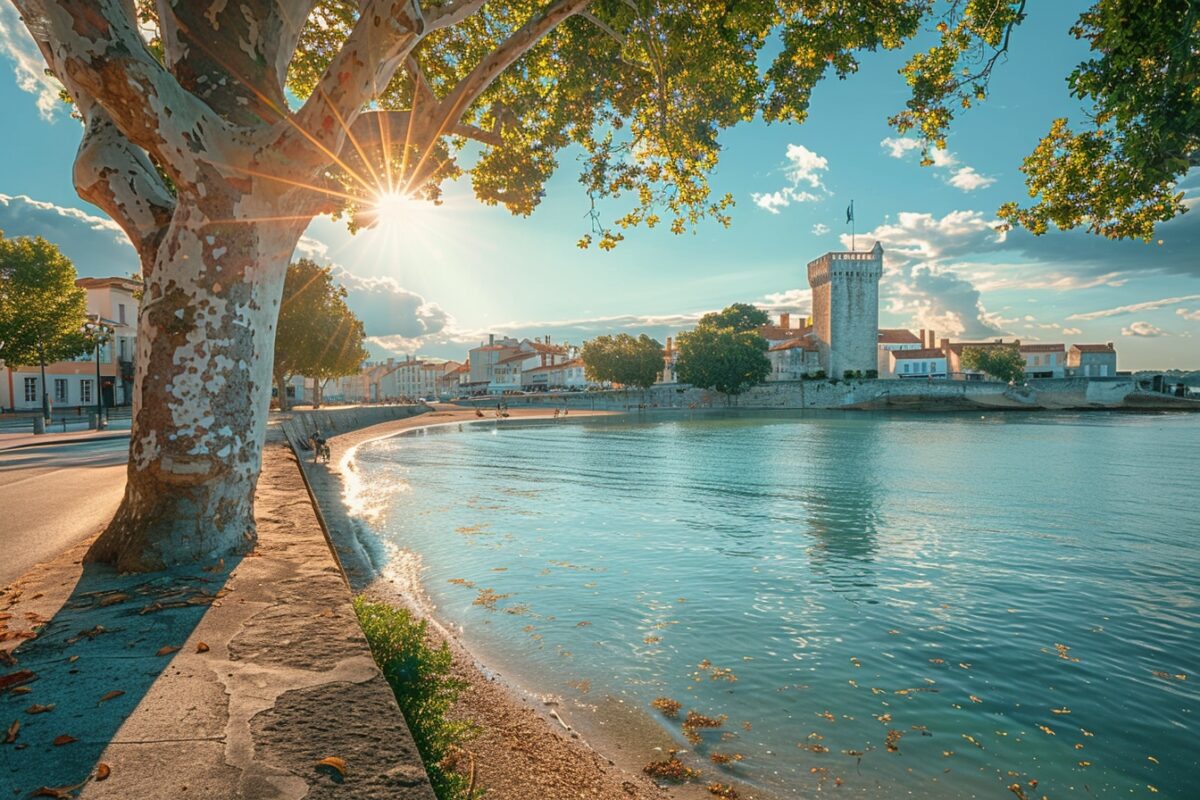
[68, 687]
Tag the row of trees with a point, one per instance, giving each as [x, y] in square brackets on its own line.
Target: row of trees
[724, 352]
[43, 317]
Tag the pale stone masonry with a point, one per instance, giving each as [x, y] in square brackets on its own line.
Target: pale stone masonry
[845, 290]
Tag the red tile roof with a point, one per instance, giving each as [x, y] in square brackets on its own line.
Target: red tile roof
[1043, 348]
[898, 336]
[774, 333]
[926, 353]
[959, 346]
[803, 343]
[1094, 348]
[521, 356]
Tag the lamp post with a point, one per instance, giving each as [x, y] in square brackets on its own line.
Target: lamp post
[99, 333]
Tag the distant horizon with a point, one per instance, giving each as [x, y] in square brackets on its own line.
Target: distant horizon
[441, 275]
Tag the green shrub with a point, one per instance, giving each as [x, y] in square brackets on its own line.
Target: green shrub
[425, 691]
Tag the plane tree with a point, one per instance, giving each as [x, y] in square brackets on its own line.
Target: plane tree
[319, 336]
[214, 132]
[623, 359]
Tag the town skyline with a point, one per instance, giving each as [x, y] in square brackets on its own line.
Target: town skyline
[441, 282]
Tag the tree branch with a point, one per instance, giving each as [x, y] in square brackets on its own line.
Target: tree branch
[242, 77]
[384, 35]
[452, 13]
[95, 47]
[116, 176]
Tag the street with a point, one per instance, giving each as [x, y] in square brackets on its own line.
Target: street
[52, 496]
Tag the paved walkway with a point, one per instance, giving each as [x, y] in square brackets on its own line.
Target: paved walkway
[11, 440]
[229, 680]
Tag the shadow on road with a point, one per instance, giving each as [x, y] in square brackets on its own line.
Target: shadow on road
[65, 692]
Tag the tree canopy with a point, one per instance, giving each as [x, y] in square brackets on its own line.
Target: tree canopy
[1002, 363]
[318, 336]
[623, 359]
[739, 316]
[42, 311]
[725, 359]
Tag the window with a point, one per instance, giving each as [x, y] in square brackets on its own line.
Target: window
[121, 313]
[123, 346]
[85, 391]
[31, 392]
[906, 366]
[60, 390]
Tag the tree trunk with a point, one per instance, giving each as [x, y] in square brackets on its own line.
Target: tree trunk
[318, 392]
[202, 387]
[281, 382]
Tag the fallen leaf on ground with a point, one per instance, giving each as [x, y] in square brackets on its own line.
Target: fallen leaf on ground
[113, 599]
[39, 709]
[111, 695]
[334, 763]
[56, 791]
[16, 678]
[217, 567]
[13, 730]
[1046, 730]
[1152, 758]
[65, 738]
[201, 647]
[166, 650]
[103, 771]
[1063, 710]
[975, 699]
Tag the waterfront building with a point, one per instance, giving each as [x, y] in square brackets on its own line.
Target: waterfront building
[1044, 360]
[923, 363]
[896, 339]
[845, 292]
[72, 383]
[670, 359]
[1092, 360]
[794, 359]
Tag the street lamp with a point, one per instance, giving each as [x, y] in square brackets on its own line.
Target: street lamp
[99, 333]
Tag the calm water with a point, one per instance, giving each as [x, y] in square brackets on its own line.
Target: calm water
[1016, 597]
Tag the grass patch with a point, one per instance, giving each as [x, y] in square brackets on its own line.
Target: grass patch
[425, 690]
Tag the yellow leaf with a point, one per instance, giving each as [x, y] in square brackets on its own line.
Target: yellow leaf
[13, 730]
[201, 647]
[166, 650]
[103, 771]
[1152, 758]
[115, 693]
[1063, 710]
[39, 709]
[65, 738]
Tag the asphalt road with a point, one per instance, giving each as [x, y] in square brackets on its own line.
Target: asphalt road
[53, 496]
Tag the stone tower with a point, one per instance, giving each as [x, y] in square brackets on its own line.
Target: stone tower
[845, 297]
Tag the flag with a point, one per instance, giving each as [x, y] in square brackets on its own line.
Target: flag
[850, 213]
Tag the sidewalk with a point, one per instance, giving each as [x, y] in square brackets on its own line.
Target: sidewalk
[230, 680]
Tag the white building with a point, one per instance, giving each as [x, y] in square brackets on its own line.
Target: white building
[1044, 360]
[72, 383]
[845, 289]
[1092, 360]
[896, 339]
[924, 363]
[794, 359]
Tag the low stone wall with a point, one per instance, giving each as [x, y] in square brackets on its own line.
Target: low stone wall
[299, 424]
[1060, 393]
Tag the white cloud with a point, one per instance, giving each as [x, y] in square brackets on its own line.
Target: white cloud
[820, 229]
[1133, 308]
[1142, 329]
[964, 178]
[969, 180]
[803, 167]
[1191, 315]
[1071, 331]
[96, 245]
[29, 67]
[901, 146]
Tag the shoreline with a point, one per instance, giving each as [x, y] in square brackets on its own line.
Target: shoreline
[530, 741]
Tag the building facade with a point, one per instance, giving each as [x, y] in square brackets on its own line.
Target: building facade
[845, 297]
[1092, 360]
[72, 384]
[1044, 360]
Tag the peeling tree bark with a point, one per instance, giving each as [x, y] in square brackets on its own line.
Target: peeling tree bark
[203, 384]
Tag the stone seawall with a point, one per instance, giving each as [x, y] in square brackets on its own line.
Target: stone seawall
[299, 424]
[917, 395]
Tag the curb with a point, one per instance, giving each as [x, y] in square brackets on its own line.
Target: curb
[124, 434]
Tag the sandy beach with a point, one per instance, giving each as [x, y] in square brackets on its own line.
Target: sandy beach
[530, 746]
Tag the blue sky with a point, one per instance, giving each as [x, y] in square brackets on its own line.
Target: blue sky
[437, 281]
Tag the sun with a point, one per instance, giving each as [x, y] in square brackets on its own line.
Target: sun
[392, 209]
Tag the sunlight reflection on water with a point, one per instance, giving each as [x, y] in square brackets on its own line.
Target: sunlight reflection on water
[1010, 599]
